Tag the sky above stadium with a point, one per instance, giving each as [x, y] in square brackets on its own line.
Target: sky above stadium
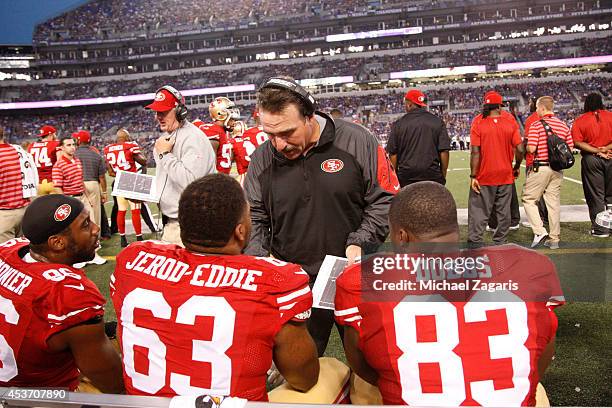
[18, 17]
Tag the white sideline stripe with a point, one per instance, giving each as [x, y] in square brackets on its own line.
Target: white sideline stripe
[460, 169]
[352, 319]
[345, 312]
[293, 295]
[564, 177]
[64, 317]
[287, 307]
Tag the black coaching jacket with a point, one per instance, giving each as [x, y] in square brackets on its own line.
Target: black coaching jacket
[338, 194]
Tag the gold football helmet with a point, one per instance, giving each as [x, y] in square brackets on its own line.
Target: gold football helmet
[222, 109]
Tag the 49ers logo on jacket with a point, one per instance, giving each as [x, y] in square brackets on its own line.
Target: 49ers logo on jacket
[62, 212]
[332, 165]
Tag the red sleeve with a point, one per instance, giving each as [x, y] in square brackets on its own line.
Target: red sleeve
[475, 132]
[57, 177]
[568, 137]
[516, 135]
[348, 297]
[73, 299]
[134, 148]
[291, 291]
[534, 134]
[240, 157]
[387, 178]
[577, 135]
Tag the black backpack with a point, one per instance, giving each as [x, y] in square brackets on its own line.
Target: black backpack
[560, 156]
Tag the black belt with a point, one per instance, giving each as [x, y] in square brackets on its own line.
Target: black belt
[75, 195]
[541, 163]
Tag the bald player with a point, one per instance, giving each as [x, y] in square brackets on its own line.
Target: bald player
[439, 346]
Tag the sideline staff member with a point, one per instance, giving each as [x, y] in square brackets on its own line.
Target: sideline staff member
[418, 144]
[592, 134]
[319, 186]
[181, 156]
[495, 141]
[542, 181]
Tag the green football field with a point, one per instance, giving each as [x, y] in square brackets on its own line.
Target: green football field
[581, 372]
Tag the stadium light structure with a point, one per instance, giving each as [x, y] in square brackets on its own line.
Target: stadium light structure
[373, 34]
[563, 62]
[438, 72]
[121, 99]
[326, 81]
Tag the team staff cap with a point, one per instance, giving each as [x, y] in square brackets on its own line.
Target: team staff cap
[417, 97]
[493, 98]
[83, 136]
[164, 101]
[49, 215]
[46, 130]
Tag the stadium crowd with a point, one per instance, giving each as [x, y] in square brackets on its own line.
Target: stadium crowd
[361, 68]
[95, 19]
[370, 110]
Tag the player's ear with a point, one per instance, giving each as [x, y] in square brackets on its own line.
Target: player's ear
[57, 243]
[241, 233]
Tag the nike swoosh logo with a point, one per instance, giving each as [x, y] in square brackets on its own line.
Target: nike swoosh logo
[80, 287]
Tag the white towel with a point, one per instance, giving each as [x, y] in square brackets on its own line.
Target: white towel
[29, 174]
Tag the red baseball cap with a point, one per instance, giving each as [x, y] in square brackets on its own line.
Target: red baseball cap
[83, 136]
[493, 98]
[164, 101]
[46, 130]
[417, 97]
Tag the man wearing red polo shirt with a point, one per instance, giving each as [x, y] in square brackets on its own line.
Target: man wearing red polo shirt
[12, 203]
[592, 134]
[541, 179]
[68, 173]
[495, 140]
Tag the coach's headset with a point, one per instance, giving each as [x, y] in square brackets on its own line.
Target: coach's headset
[180, 109]
[293, 86]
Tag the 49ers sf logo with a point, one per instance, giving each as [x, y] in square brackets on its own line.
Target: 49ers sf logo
[332, 165]
[62, 212]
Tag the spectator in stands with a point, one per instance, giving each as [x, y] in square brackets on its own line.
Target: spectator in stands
[182, 155]
[592, 134]
[94, 176]
[12, 202]
[541, 179]
[496, 135]
[418, 144]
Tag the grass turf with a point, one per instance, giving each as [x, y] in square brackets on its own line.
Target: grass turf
[580, 373]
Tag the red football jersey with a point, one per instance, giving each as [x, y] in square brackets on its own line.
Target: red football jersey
[224, 150]
[38, 300]
[120, 156]
[45, 156]
[240, 155]
[253, 138]
[202, 324]
[451, 347]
